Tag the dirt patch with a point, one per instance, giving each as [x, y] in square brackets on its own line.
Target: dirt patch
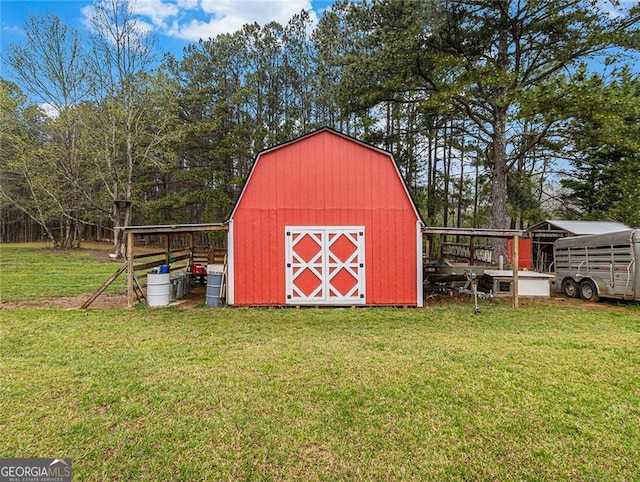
[103, 301]
[106, 300]
[197, 297]
[434, 298]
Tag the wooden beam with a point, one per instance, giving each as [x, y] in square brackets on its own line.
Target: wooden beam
[138, 288]
[130, 270]
[167, 247]
[484, 233]
[153, 264]
[149, 255]
[150, 264]
[104, 286]
[192, 244]
[175, 228]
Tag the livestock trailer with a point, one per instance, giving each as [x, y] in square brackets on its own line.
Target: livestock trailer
[598, 266]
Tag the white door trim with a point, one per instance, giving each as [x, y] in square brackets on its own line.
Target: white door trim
[325, 265]
[231, 266]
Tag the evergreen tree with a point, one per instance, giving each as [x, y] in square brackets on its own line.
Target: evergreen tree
[481, 59]
[605, 138]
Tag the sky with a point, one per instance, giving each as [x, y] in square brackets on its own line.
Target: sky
[177, 23]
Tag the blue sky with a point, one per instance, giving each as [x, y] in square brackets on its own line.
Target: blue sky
[177, 23]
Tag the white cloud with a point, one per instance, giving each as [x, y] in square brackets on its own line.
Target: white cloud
[188, 4]
[50, 110]
[157, 11]
[88, 12]
[195, 30]
[616, 8]
[193, 20]
[141, 23]
[12, 30]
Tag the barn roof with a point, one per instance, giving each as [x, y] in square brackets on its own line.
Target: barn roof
[578, 228]
[335, 132]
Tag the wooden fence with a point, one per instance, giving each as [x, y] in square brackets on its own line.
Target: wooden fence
[459, 251]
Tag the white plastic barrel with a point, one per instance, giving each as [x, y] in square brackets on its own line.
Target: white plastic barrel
[158, 289]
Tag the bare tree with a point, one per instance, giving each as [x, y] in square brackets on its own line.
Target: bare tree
[50, 66]
[123, 51]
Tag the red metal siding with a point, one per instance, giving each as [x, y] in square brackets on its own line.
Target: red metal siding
[324, 180]
[524, 252]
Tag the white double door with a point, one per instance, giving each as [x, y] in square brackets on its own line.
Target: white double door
[325, 265]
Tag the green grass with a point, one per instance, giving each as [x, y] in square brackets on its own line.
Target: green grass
[33, 270]
[367, 394]
[547, 392]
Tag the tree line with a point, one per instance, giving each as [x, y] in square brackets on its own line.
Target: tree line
[498, 112]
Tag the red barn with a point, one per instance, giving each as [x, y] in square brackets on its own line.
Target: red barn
[325, 220]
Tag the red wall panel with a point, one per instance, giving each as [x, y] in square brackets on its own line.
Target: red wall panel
[524, 253]
[324, 179]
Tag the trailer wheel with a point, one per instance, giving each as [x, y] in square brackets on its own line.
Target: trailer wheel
[570, 288]
[588, 290]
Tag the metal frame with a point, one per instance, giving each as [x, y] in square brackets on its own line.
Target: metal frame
[489, 233]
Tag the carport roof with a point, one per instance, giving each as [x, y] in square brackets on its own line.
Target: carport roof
[578, 228]
[174, 228]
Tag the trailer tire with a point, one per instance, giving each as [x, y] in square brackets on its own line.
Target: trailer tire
[588, 290]
[570, 288]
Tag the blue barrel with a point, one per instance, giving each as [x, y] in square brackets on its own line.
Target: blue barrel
[214, 284]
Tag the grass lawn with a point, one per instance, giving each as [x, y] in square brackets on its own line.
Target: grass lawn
[367, 394]
[33, 270]
[547, 392]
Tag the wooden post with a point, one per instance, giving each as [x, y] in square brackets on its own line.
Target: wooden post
[191, 248]
[129, 270]
[516, 269]
[166, 249]
[427, 249]
[472, 250]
